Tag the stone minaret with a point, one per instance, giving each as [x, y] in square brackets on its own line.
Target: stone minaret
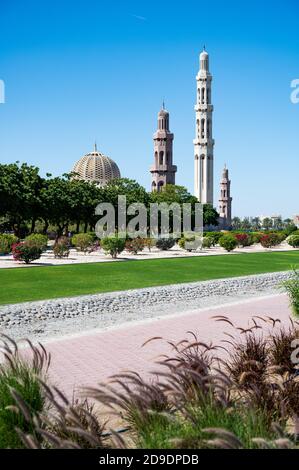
[163, 171]
[225, 201]
[203, 142]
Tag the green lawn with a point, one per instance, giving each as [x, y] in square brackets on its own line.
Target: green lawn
[36, 283]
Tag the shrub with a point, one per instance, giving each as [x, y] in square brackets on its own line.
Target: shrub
[19, 385]
[134, 245]
[244, 239]
[149, 243]
[38, 239]
[214, 236]
[293, 241]
[228, 242]
[26, 251]
[165, 244]
[182, 243]
[113, 245]
[256, 237]
[6, 242]
[61, 248]
[292, 288]
[270, 240]
[207, 242]
[83, 242]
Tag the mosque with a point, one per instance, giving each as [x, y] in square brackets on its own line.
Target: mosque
[101, 169]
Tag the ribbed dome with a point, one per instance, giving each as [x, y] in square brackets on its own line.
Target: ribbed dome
[96, 167]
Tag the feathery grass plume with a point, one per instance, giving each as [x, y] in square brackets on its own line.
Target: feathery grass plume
[280, 347]
[21, 395]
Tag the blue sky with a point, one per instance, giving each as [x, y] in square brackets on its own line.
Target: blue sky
[85, 70]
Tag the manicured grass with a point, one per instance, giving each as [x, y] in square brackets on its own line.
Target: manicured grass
[26, 284]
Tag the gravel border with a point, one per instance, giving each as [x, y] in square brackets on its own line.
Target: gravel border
[63, 316]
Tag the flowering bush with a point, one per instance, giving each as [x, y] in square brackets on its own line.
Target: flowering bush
[6, 242]
[26, 251]
[270, 240]
[61, 248]
[228, 242]
[243, 239]
[135, 245]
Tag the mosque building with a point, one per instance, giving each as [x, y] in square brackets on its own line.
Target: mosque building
[96, 167]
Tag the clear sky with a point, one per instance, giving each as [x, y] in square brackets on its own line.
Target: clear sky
[76, 71]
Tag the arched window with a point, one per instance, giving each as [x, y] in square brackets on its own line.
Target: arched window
[208, 128]
[154, 186]
[202, 169]
[160, 185]
[203, 95]
[161, 156]
[156, 158]
[208, 96]
[202, 130]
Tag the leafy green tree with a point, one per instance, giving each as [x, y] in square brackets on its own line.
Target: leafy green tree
[20, 187]
[256, 223]
[246, 224]
[267, 223]
[236, 223]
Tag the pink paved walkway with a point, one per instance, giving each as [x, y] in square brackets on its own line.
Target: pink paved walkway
[94, 356]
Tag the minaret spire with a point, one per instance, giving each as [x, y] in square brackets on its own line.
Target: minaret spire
[163, 171]
[225, 200]
[204, 142]
[95, 146]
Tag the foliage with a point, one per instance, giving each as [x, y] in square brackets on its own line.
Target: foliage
[207, 242]
[165, 244]
[228, 242]
[61, 248]
[246, 399]
[6, 243]
[293, 241]
[134, 245]
[21, 394]
[82, 242]
[243, 239]
[26, 251]
[113, 245]
[149, 243]
[292, 288]
[38, 240]
[210, 215]
[214, 237]
[270, 240]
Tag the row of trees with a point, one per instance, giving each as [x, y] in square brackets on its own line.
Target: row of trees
[256, 224]
[28, 199]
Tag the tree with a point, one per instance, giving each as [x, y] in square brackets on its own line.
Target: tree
[256, 223]
[236, 223]
[57, 207]
[267, 223]
[20, 187]
[210, 215]
[246, 224]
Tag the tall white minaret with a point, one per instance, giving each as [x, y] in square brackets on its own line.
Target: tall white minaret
[204, 142]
